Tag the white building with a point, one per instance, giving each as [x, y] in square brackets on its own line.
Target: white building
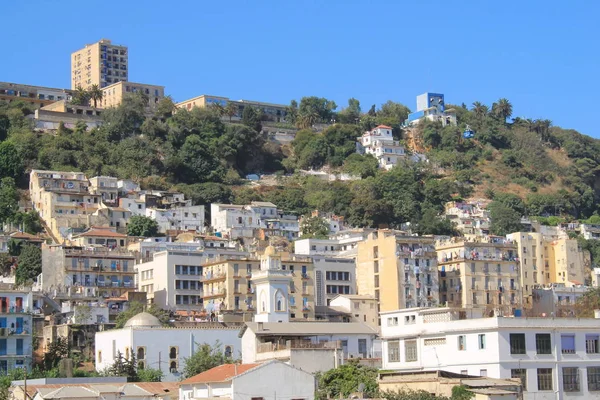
[136, 206]
[163, 348]
[127, 186]
[268, 381]
[341, 244]
[244, 221]
[184, 218]
[556, 358]
[431, 106]
[333, 276]
[171, 286]
[381, 144]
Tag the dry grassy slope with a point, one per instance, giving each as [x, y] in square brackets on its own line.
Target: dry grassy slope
[496, 175]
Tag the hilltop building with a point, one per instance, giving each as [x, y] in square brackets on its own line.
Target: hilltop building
[381, 144]
[102, 63]
[272, 112]
[431, 106]
[37, 96]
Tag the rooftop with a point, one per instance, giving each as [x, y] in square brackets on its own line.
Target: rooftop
[222, 373]
[101, 232]
[308, 328]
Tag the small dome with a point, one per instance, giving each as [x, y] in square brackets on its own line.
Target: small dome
[144, 319]
[270, 251]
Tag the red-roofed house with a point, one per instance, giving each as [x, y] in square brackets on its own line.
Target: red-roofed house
[381, 144]
[267, 381]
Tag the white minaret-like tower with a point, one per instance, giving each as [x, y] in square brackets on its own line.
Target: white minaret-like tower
[272, 286]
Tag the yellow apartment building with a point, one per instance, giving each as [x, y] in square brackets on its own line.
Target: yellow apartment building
[102, 63]
[399, 270]
[112, 95]
[273, 112]
[480, 274]
[227, 285]
[548, 259]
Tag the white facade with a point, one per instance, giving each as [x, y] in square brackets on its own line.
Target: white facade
[188, 218]
[272, 285]
[333, 276]
[556, 358]
[380, 143]
[342, 244]
[126, 186]
[159, 277]
[596, 277]
[242, 221]
[136, 206]
[283, 382]
[310, 346]
[163, 348]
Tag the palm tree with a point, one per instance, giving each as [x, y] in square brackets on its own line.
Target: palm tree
[480, 109]
[96, 94]
[81, 97]
[307, 118]
[502, 109]
[218, 109]
[231, 110]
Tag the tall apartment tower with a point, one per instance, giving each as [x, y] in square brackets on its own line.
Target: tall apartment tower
[101, 63]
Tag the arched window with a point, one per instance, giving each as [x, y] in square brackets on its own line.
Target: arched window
[173, 366]
[173, 352]
[127, 353]
[263, 301]
[228, 351]
[279, 301]
[141, 353]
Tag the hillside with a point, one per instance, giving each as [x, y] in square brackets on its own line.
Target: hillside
[527, 167]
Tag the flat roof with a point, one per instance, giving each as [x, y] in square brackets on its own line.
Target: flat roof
[310, 328]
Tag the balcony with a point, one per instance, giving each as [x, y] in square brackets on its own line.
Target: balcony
[305, 276]
[214, 277]
[212, 294]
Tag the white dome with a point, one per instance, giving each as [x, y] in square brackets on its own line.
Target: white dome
[143, 319]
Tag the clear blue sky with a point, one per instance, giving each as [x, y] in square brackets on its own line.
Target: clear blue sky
[541, 55]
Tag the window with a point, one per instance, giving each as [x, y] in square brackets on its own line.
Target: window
[544, 378]
[394, 351]
[517, 343]
[392, 321]
[591, 344]
[462, 343]
[100, 361]
[543, 344]
[571, 379]
[593, 378]
[228, 351]
[410, 350]
[567, 344]
[483, 372]
[481, 341]
[520, 373]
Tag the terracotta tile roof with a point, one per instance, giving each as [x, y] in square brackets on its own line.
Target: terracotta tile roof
[384, 126]
[102, 232]
[26, 236]
[222, 373]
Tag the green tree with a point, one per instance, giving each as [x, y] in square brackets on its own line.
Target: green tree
[95, 94]
[252, 118]
[504, 220]
[479, 109]
[502, 109]
[291, 113]
[318, 108]
[57, 350]
[205, 358]
[9, 200]
[135, 307]
[28, 221]
[29, 264]
[81, 97]
[314, 227]
[124, 367]
[231, 110]
[586, 304]
[200, 161]
[362, 166]
[140, 225]
[6, 263]
[344, 380]
[149, 375]
[396, 111]
[165, 108]
[11, 162]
